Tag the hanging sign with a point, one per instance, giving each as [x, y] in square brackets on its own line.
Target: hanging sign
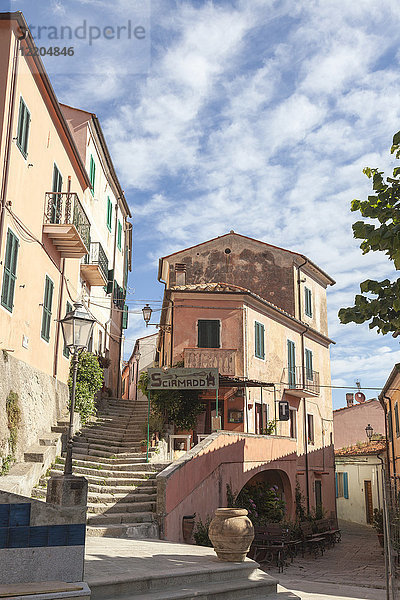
[183, 379]
[283, 410]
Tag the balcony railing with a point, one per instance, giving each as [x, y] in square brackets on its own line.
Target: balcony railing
[67, 224]
[219, 358]
[297, 385]
[95, 265]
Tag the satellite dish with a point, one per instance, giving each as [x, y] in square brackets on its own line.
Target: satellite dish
[360, 397]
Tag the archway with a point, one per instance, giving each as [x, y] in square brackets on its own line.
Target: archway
[273, 495]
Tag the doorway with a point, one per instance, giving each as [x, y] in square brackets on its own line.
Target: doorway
[369, 509]
[318, 494]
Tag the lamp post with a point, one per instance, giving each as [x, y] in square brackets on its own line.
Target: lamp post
[77, 327]
[369, 431]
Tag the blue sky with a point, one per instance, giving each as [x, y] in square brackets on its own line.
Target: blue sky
[253, 115]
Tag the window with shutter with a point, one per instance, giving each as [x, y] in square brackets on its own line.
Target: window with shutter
[291, 364]
[125, 317]
[396, 418]
[259, 340]
[310, 429]
[92, 173]
[47, 304]
[66, 352]
[9, 271]
[208, 333]
[24, 120]
[109, 214]
[307, 302]
[309, 364]
[119, 236]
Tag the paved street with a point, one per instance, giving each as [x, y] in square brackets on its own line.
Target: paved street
[352, 569]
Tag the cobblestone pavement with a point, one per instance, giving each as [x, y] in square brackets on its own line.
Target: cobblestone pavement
[354, 568]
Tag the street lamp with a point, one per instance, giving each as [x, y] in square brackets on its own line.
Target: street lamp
[369, 431]
[147, 310]
[77, 327]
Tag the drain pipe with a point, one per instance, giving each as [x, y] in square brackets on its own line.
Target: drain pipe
[392, 443]
[386, 538]
[305, 436]
[11, 110]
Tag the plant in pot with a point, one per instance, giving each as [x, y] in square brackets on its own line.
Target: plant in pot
[377, 523]
[143, 445]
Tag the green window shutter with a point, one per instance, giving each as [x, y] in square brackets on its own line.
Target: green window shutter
[110, 279]
[24, 120]
[9, 271]
[208, 333]
[125, 317]
[109, 214]
[345, 485]
[336, 485]
[396, 417]
[307, 302]
[309, 365]
[68, 309]
[92, 173]
[389, 422]
[259, 332]
[119, 236]
[47, 304]
[291, 364]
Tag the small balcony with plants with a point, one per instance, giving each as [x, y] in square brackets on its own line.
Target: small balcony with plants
[94, 266]
[66, 224]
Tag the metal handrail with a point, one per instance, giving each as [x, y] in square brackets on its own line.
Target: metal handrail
[293, 378]
[97, 256]
[64, 208]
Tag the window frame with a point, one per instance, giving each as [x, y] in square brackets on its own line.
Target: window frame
[119, 235]
[291, 365]
[396, 419]
[308, 301]
[109, 214]
[218, 332]
[259, 340]
[342, 484]
[310, 430]
[308, 355]
[9, 271]
[23, 129]
[92, 173]
[293, 421]
[47, 311]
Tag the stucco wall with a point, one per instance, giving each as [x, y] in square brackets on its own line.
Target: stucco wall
[359, 470]
[41, 399]
[350, 422]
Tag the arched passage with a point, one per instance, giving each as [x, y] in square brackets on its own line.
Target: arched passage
[272, 479]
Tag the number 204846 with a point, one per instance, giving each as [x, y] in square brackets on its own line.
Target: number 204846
[50, 51]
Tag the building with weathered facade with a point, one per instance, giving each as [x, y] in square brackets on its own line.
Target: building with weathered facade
[53, 222]
[259, 314]
[390, 401]
[359, 481]
[349, 422]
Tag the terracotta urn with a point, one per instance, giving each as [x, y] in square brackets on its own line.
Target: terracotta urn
[231, 533]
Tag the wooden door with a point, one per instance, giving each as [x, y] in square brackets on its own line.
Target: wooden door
[369, 509]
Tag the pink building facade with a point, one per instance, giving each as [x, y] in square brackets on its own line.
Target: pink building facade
[349, 423]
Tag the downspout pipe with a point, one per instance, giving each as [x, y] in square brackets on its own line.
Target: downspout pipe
[11, 111]
[392, 442]
[303, 378]
[171, 346]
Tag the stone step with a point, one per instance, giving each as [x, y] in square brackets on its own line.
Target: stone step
[230, 581]
[112, 449]
[116, 467]
[120, 518]
[103, 454]
[135, 507]
[122, 489]
[105, 499]
[135, 531]
[124, 478]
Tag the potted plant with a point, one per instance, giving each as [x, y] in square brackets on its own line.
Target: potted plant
[143, 445]
[377, 523]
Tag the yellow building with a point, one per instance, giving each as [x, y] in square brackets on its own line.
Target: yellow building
[55, 245]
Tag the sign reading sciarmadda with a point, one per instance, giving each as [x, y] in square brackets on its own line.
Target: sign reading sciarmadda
[183, 379]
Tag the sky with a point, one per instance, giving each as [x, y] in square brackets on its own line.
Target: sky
[251, 115]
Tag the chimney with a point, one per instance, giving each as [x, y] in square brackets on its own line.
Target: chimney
[180, 274]
[350, 399]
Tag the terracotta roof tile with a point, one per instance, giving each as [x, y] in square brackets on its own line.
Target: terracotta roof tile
[373, 447]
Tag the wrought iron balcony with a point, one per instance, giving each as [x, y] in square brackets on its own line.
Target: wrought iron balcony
[66, 224]
[300, 384]
[95, 265]
[219, 358]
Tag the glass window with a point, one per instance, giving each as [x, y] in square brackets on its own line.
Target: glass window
[208, 333]
[109, 214]
[293, 422]
[92, 173]
[119, 236]
[309, 365]
[291, 364]
[342, 485]
[307, 302]
[310, 429]
[47, 304]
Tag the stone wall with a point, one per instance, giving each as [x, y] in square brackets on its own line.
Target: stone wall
[41, 400]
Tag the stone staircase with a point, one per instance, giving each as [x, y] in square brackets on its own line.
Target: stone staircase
[122, 486]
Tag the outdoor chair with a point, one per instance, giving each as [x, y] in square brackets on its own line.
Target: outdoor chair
[313, 542]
